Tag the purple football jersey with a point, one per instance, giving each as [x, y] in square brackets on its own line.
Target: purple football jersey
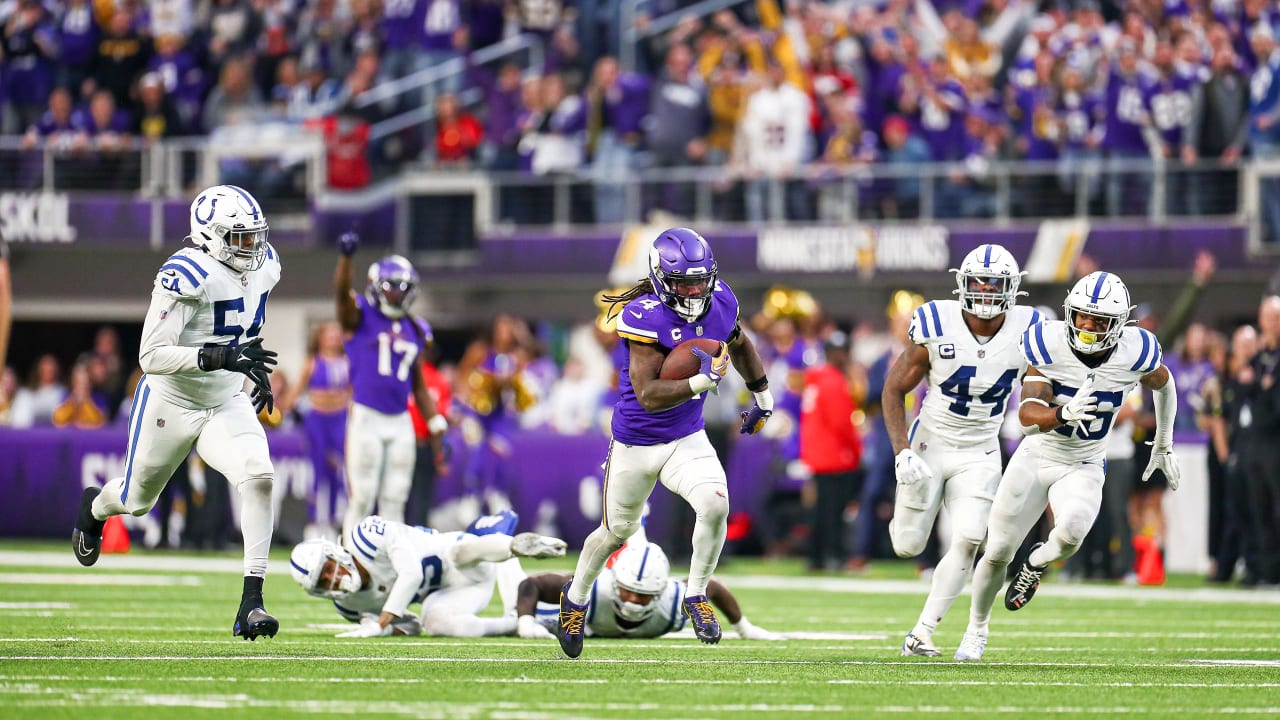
[647, 320]
[78, 35]
[1126, 113]
[383, 354]
[1169, 99]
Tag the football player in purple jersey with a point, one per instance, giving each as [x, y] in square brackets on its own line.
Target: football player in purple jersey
[657, 424]
[384, 344]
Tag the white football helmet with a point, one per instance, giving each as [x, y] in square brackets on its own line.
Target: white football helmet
[643, 569]
[988, 265]
[1104, 296]
[229, 224]
[307, 565]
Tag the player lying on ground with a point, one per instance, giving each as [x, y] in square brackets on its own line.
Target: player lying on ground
[634, 597]
[395, 565]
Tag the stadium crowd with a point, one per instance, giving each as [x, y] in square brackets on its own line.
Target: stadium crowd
[779, 97]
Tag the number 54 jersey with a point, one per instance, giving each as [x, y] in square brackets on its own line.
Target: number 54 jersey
[1048, 350]
[969, 381]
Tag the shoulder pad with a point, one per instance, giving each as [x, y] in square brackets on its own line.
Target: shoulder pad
[1035, 347]
[1032, 315]
[641, 319]
[272, 266]
[181, 277]
[1141, 350]
[368, 536]
[926, 324]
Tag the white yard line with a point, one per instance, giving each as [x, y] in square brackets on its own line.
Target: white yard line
[99, 579]
[36, 606]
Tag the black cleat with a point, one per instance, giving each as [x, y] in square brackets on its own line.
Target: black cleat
[86, 538]
[571, 628]
[253, 621]
[1024, 585]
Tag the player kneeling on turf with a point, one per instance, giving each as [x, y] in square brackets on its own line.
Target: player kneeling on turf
[633, 598]
[394, 565]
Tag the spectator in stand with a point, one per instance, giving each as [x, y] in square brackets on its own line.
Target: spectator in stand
[772, 143]
[59, 126]
[29, 51]
[170, 17]
[1169, 100]
[234, 100]
[565, 57]
[106, 348]
[458, 134]
[232, 28]
[902, 149]
[1217, 129]
[80, 410]
[975, 185]
[444, 38]
[367, 33]
[1080, 116]
[122, 55]
[617, 107]
[573, 402]
[1264, 121]
[277, 41]
[550, 143]
[34, 404]
[78, 42]
[184, 79]
[850, 150]
[831, 449]
[156, 118]
[677, 128]
[321, 29]
[504, 105]
[1130, 134]
[968, 54]
[101, 391]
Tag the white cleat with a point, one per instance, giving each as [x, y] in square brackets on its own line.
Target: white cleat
[971, 647]
[533, 545]
[915, 645]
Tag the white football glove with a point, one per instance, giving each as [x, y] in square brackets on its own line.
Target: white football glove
[747, 631]
[529, 628]
[1079, 409]
[910, 468]
[367, 628]
[1164, 460]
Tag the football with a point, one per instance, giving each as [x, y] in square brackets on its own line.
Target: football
[682, 364]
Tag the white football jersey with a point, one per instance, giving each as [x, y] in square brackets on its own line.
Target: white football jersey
[1049, 351]
[222, 307]
[602, 621]
[389, 550]
[969, 381]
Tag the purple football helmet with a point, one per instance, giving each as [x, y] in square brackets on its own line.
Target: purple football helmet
[682, 270]
[392, 284]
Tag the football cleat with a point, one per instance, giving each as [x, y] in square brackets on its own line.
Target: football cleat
[252, 622]
[1024, 585]
[915, 645]
[571, 628]
[86, 538]
[971, 647]
[703, 617]
[533, 545]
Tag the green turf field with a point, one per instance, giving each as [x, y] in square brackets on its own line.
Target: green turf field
[149, 635]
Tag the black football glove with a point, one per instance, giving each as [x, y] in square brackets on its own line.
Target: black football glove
[263, 398]
[251, 359]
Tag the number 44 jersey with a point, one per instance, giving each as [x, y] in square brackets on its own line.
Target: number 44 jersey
[969, 379]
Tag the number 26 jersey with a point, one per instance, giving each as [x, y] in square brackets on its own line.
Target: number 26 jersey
[969, 381]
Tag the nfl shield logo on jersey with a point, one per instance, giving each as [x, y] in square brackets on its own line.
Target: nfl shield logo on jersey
[982, 354]
[159, 422]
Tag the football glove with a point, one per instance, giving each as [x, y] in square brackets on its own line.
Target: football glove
[1079, 409]
[529, 628]
[747, 631]
[368, 627]
[711, 371]
[910, 468]
[753, 420]
[1164, 460]
[263, 398]
[347, 243]
[251, 359]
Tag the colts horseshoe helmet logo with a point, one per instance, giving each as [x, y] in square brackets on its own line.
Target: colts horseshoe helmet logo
[212, 204]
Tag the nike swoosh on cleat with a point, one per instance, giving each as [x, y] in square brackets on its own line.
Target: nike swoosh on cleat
[82, 550]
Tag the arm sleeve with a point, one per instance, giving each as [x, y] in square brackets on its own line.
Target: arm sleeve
[160, 353]
[409, 574]
[1166, 405]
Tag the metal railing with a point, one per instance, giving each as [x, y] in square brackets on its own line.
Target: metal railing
[398, 92]
[631, 36]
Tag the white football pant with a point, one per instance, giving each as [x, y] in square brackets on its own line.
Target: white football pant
[228, 438]
[380, 455]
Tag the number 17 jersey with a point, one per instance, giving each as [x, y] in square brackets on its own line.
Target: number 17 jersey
[969, 380]
[382, 354]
